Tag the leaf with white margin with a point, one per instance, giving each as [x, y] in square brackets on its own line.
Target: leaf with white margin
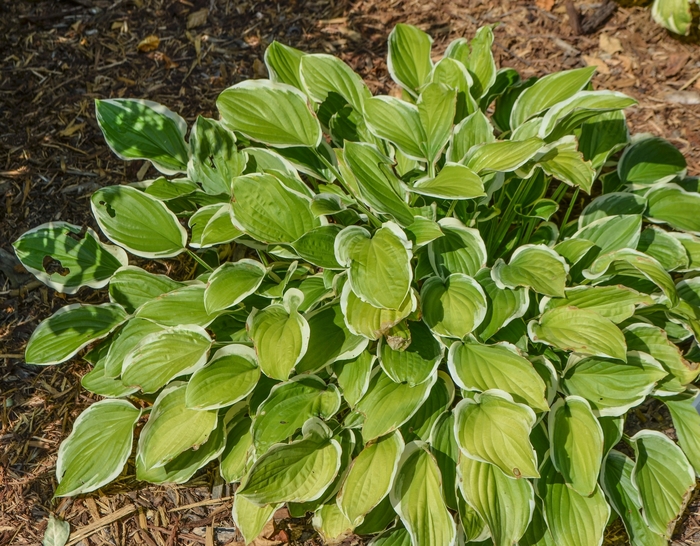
[454, 181]
[537, 533]
[172, 428]
[675, 15]
[613, 428]
[97, 449]
[436, 109]
[613, 387]
[612, 204]
[533, 266]
[275, 114]
[57, 532]
[549, 374]
[126, 341]
[576, 443]
[83, 260]
[379, 268]
[453, 307]
[504, 305]
[397, 536]
[228, 377]
[505, 504]
[250, 519]
[649, 160]
[69, 330]
[143, 129]
[444, 448]
[653, 340]
[97, 382]
[664, 477]
[623, 496]
[686, 422]
[268, 161]
[212, 225]
[317, 246]
[423, 231]
[459, 250]
[691, 243]
[331, 524]
[579, 330]
[132, 286]
[477, 367]
[503, 155]
[323, 74]
[296, 472]
[181, 306]
[602, 136]
[481, 64]
[231, 283]
[388, 405]
[548, 91]
[616, 303]
[408, 58]
[238, 450]
[416, 495]
[562, 160]
[370, 477]
[573, 519]
[671, 204]
[280, 335]
[417, 362]
[471, 131]
[398, 122]
[420, 425]
[289, 406]
[268, 211]
[364, 319]
[665, 248]
[612, 233]
[139, 223]
[492, 428]
[162, 356]
[330, 339]
[282, 63]
[636, 264]
[454, 74]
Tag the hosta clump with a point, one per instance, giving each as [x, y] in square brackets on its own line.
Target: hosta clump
[674, 15]
[402, 321]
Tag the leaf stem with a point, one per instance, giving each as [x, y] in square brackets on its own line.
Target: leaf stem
[568, 212]
[199, 260]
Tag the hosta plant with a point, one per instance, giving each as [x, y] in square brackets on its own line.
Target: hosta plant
[422, 318]
[674, 15]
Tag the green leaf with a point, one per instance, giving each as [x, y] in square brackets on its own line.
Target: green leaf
[623, 496]
[408, 58]
[502, 155]
[420, 425]
[616, 303]
[250, 519]
[492, 428]
[454, 75]
[363, 319]
[436, 110]
[227, 378]
[579, 330]
[537, 533]
[143, 129]
[215, 160]
[397, 536]
[453, 307]
[283, 63]
[649, 161]
[239, 442]
[548, 91]
[268, 211]
[602, 136]
[454, 181]
[141, 224]
[460, 250]
[97, 449]
[663, 247]
[664, 478]
[477, 367]
[532, 266]
[573, 519]
[398, 122]
[71, 328]
[275, 114]
[181, 306]
[612, 233]
[416, 363]
[444, 448]
[613, 387]
[132, 286]
[331, 523]
[416, 495]
[562, 160]
[57, 532]
[379, 266]
[212, 225]
[370, 477]
[505, 504]
[98, 383]
[126, 341]
[674, 206]
[576, 443]
[675, 15]
[317, 246]
[81, 258]
[289, 406]
[504, 305]
[324, 74]
[423, 231]
[686, 422]
[268, 161]
[162, 356]
[353, 376]
[296, 472]
[387, 405]
[232, 283]
[481, 65]
[471, 131]
[280, 335]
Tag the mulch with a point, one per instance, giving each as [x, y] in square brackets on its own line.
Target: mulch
[56, 57]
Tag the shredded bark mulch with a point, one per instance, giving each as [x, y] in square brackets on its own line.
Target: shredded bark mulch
[58, 56]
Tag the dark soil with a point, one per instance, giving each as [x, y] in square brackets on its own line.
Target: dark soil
[56, 57]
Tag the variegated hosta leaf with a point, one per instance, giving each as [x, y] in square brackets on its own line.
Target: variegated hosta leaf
[576, 443]
[420, 425]
[504, 305]
[452, 182]
[616, 303]
[459, 250]
[364, 319]
[331, 523]
[324, 74]
[415, 363]
[686, 421]
[283, 63]
[675, 15]
[436, 111]
[214, 160]
[379, 267]
[132, 286]
[250, 519]
[353, 376]
[453, 307]
[674, 206]
[416, 495]
[612, 204]
[612, 233]
[650, 160]
[232, 283]
[533, 266]
[239, 443]
[443, 446]
[181, 306]
[408, 58]
[492, 428]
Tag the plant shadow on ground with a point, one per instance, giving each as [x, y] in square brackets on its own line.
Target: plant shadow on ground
[60, 56]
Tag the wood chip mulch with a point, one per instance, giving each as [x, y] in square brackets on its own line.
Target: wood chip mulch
[56, 57]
